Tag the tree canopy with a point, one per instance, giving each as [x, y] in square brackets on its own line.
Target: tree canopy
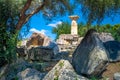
[15, 13]
[97, 10]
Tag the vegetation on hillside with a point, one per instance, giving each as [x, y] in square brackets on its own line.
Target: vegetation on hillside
[65, 28]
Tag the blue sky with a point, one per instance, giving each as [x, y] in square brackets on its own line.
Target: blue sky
[39, 24]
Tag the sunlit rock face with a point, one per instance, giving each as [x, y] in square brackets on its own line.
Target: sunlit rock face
[106, 37]
[90, 57]
[36, 39]
[63, 70]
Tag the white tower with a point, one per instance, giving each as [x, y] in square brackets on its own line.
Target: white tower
[74, 27]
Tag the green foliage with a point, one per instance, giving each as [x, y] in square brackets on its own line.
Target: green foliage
[82, 29]
[56, 7]
[56, 78]
[9, 15]
[61, 64]
[97, 10]
[7, 45]
[63, 28]
[94, 78]
[113, 29]
[10, 9]
[19, 43]
[16, 78]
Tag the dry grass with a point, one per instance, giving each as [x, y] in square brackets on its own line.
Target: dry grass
[111, 69]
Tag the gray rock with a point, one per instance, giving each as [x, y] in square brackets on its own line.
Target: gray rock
[113, 48]
[16, 67]
[90, 58]
[54, 47]
[30, 74]
[62, 55]
[117, 76]
[106, 37]
[20, 65]
[70, 75]
[40, 53]
[38, 39]
[63, 70]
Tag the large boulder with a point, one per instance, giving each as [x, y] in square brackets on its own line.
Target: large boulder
[38, 39]
[40, 53]
[113, 48]
[90, 57]
[30, 74]
[63, 70]
[105, 37]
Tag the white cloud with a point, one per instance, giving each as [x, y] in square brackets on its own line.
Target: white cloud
[55, 24]
[37, 31]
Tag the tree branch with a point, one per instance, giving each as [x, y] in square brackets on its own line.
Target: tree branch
[22, 15]
[24, 18]
[34, 12]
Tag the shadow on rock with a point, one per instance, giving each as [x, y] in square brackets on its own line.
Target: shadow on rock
[90, 58]
[113, 48]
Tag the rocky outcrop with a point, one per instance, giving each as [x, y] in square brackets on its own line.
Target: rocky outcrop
[104, 37]
[38, 47]
[90, 58]
[16, 67]
[40, 53]
[10, 72]
[113, 48]
[38, 39]
[30, 74]
[63, 70]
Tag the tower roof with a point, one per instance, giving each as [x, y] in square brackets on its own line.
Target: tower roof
[74, 17]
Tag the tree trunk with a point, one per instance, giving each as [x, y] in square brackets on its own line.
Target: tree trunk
[23, 17]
